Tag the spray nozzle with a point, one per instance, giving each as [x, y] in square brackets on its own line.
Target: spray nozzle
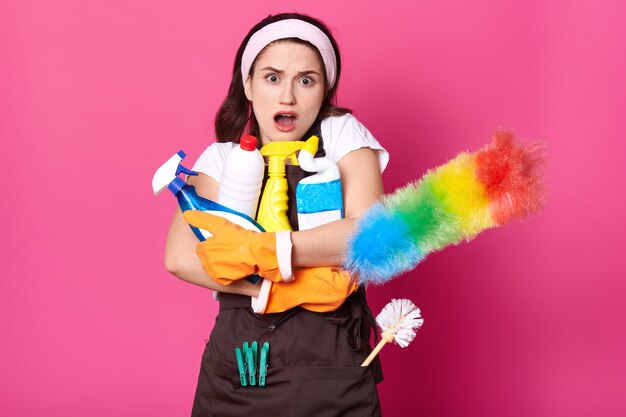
[311, 145]
[181, 168]
[326, 169]
[167, 175]
[278, 152]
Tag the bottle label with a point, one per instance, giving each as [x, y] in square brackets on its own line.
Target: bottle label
[313, 198]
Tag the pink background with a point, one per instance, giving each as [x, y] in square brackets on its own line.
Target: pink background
[527, 320]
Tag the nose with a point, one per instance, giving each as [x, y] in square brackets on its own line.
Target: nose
[287, 96]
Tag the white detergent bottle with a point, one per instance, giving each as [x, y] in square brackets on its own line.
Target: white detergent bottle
[242, 177]
[318, 197]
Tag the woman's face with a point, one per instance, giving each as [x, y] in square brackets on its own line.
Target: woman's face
[286, 90]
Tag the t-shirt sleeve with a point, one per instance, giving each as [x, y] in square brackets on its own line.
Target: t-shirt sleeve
[211, 161]
[345, 134]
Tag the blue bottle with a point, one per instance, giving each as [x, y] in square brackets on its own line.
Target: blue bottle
[188, 199]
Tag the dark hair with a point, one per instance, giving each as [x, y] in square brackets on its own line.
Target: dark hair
[235, 113]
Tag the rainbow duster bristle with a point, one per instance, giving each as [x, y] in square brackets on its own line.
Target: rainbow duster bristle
[510, 174]
[455, 202]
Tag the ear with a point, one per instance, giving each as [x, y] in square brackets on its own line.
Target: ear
[247, 89]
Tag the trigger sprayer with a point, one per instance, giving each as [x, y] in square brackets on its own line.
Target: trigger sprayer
[273, 207]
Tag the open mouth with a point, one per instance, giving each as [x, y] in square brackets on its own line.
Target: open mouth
[286, 122]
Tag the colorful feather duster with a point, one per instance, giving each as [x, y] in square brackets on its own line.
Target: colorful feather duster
[452, 203]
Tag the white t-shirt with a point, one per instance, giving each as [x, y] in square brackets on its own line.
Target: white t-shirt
[340, 134]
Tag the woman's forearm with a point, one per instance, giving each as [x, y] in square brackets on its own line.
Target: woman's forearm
[322, 246]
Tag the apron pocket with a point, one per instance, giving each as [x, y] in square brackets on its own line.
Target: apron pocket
[228, 398]
[329, 391]
[292, 391]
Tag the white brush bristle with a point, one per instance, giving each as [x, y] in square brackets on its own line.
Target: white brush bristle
[402, 319]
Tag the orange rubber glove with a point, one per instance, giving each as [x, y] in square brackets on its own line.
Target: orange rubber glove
[319, 289]
[234, 253]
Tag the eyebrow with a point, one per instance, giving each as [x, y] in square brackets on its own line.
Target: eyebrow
[272, 69]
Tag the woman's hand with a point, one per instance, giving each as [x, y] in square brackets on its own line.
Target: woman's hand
[233, 253]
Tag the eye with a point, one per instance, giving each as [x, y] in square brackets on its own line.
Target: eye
[307, 81]
[272, 78]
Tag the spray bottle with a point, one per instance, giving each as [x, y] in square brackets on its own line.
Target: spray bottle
[318, 197]
[188, 199]
[273, 206]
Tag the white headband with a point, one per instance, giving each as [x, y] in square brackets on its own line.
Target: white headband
[290, 28]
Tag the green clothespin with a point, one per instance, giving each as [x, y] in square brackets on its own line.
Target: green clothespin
[265, 350]
[251, 365]
[247, 363]
[255, 350]
[242, 367]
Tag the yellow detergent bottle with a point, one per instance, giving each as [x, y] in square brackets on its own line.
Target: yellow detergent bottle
[273, 207]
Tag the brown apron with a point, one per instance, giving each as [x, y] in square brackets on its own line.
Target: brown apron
[314, 361]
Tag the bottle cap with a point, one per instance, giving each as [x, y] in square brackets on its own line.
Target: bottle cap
[247, 143]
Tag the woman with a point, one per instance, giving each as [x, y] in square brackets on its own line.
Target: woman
[283, 88]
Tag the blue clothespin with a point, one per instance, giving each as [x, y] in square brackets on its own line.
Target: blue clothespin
[242, 367]
[265, 350]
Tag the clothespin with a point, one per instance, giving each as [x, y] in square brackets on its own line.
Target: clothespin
[242, 367]
[251, 359]
[247, 363]
[255, 350]
[263, 363]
